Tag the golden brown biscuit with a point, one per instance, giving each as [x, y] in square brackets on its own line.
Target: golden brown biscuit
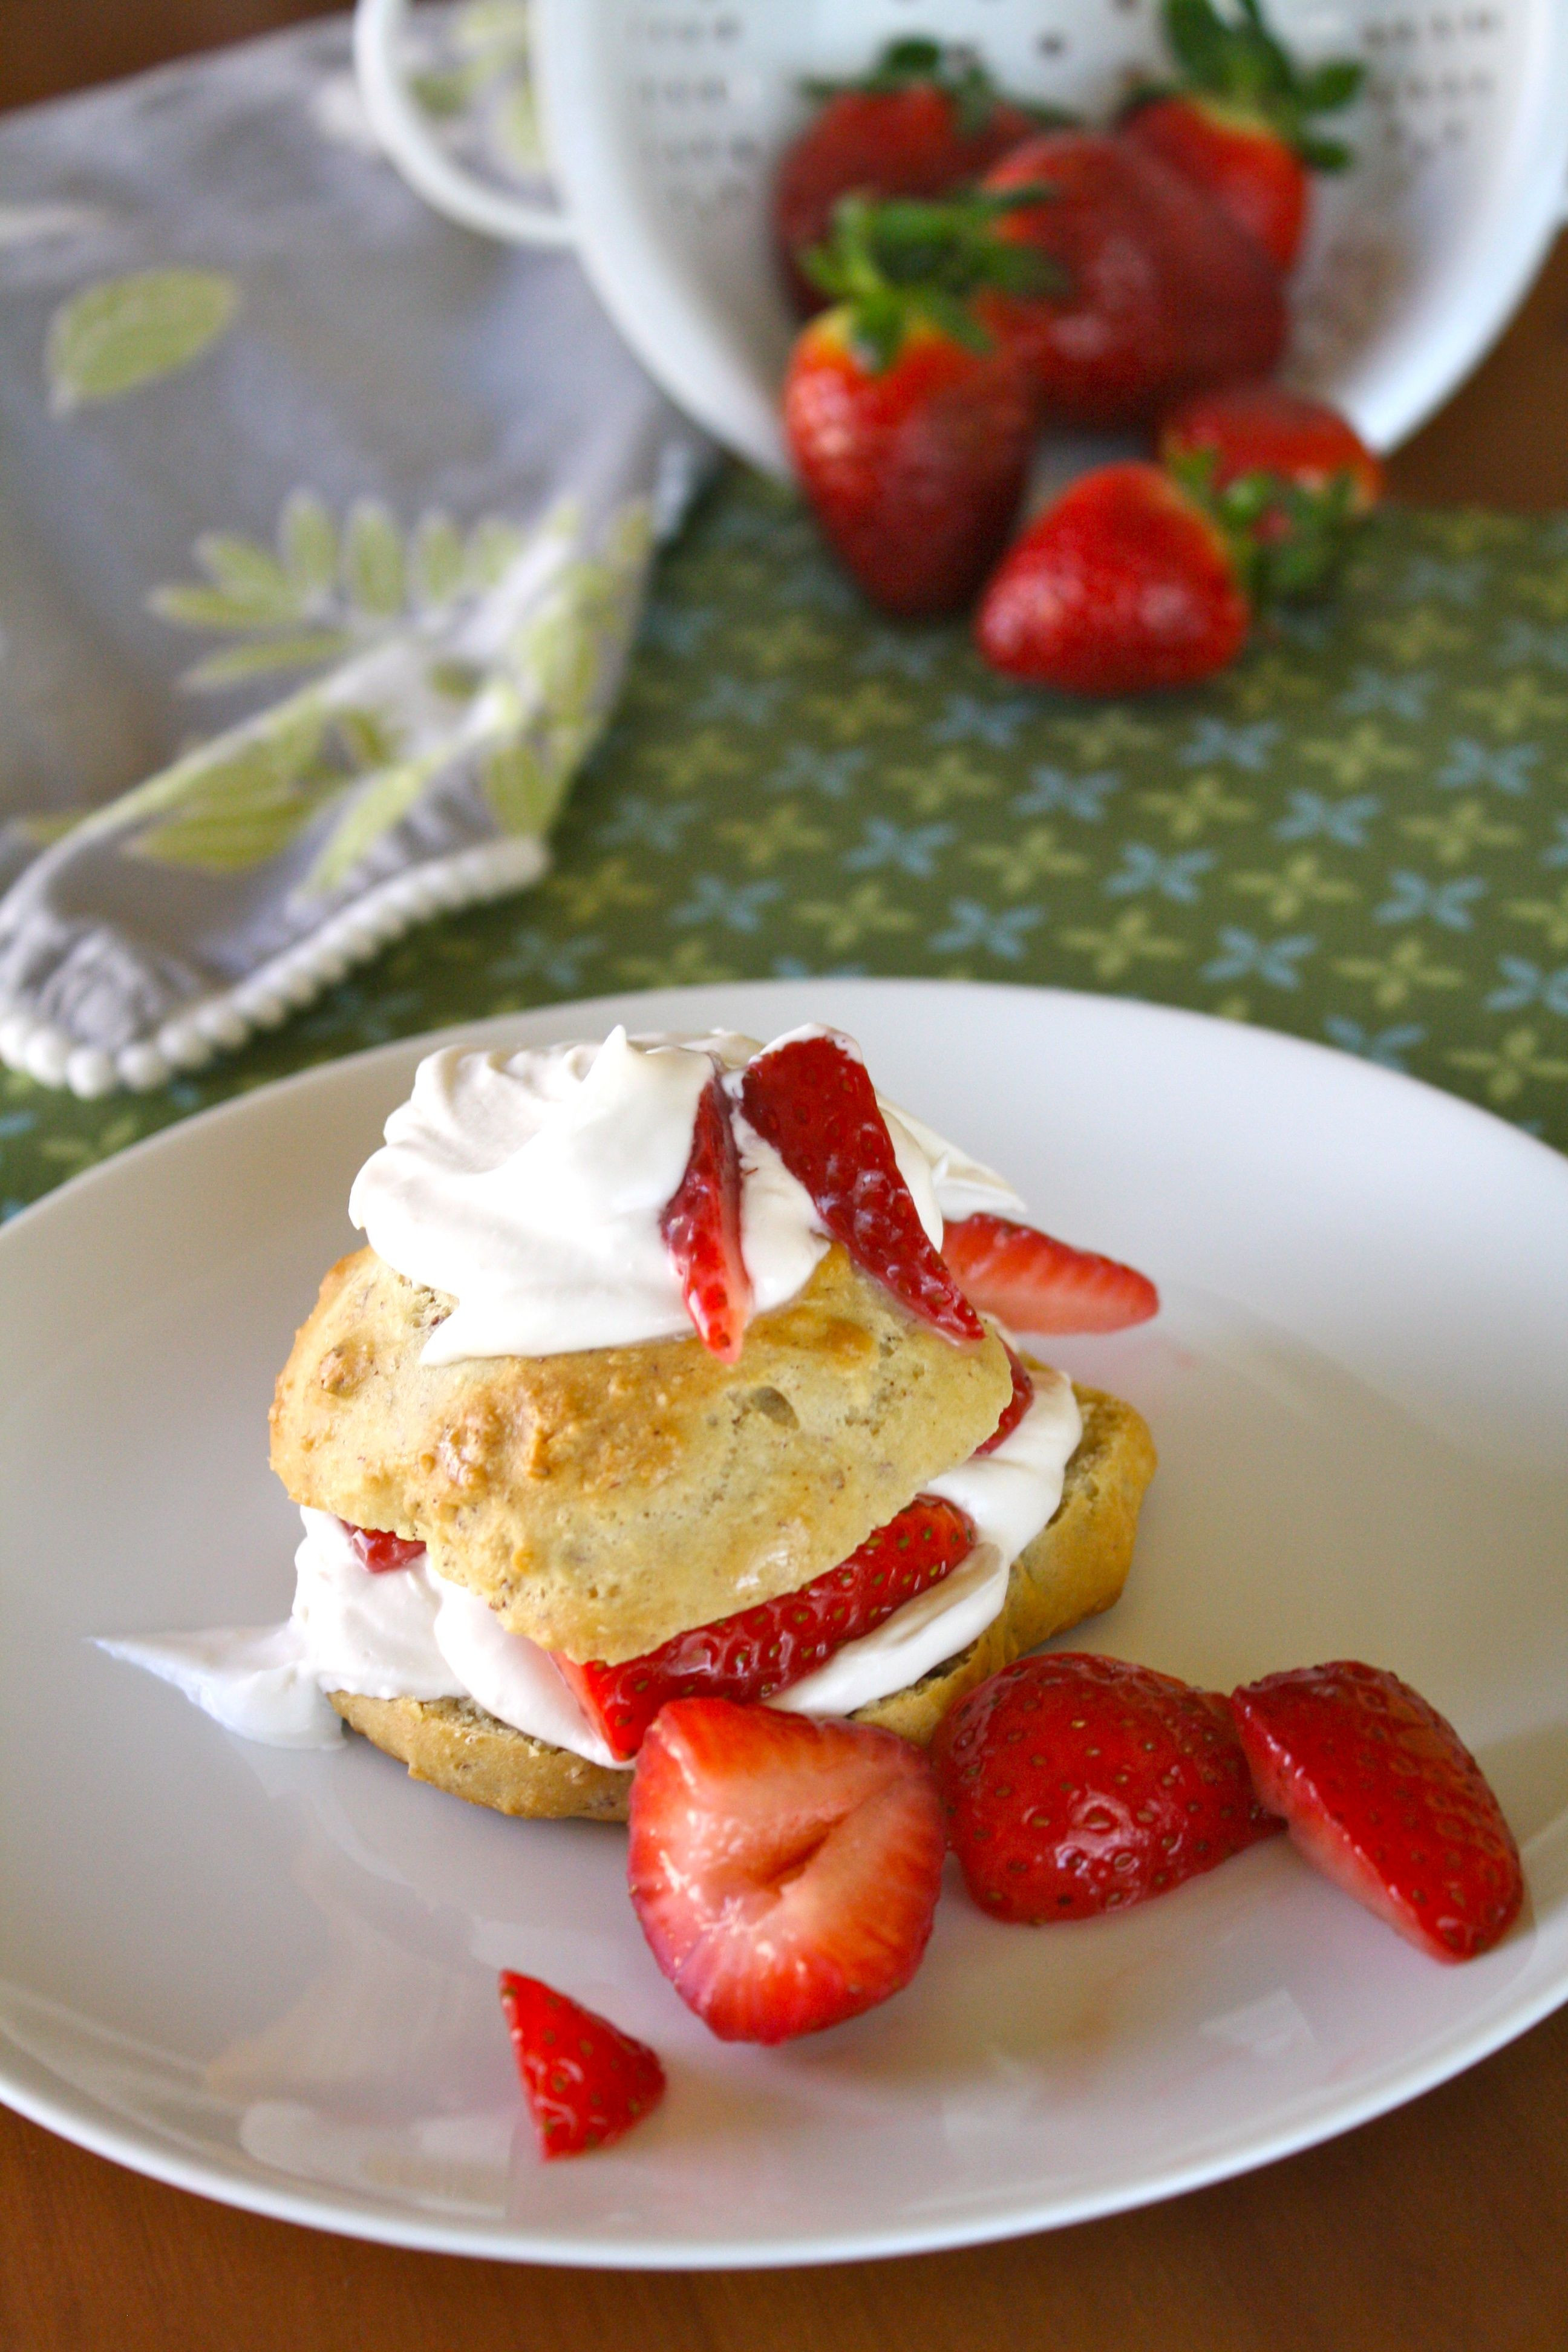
[1073, 1567]
[605, 1500]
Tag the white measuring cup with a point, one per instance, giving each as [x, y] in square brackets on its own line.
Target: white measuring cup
[662, 119]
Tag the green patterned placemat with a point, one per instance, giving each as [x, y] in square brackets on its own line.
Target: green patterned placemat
[1359, 834]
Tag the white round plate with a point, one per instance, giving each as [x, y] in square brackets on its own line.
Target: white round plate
[271, 1977]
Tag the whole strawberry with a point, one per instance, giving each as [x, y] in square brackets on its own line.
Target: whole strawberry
[1161, 292]
[926, 120]
[909, 421]
[1125, 585]
[1239, 124]
[1290, 474]
[1075, 1785]
[1383, 1795]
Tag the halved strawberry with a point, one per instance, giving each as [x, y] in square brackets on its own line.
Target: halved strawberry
[784, 1871]
[1379, 1791]
[702, 1229]
[586, 2080]
[1077, 1784]
[762, 1650]
[1017, 1406]
[810, 1097]
[378, 1549]
[1032, 1283]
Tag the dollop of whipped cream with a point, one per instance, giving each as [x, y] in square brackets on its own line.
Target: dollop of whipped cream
[412, 1633]
[529, 1187]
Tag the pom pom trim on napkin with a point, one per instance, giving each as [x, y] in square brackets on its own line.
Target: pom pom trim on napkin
[285, 984]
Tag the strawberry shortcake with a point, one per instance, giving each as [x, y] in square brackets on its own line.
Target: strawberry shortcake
[672, 1368]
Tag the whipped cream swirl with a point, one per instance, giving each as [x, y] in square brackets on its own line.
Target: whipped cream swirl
[529, 1187]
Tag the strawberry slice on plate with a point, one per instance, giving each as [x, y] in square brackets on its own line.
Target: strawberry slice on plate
[1032, 1283]
[585, 2081]
[810, 1096]
[701, 1230]
[1077, 1784]
[1380, 1792]
[784, 1871]
[762, 1650]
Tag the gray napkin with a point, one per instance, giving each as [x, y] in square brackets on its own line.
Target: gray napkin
[323, 530]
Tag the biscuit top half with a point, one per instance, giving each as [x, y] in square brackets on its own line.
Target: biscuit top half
[605, 1500]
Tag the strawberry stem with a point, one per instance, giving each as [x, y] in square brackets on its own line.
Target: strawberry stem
[909, 261]
[1240, 60]
[951, 67]
[1289, 542]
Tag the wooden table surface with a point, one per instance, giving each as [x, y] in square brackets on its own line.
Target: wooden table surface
[1441, 2228]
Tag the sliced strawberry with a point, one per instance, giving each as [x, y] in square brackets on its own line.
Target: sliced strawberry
[762, 1650]
[1383, 1795]
[811, 1098]
[378, 1549]
[1017, 1406]
[784, 1871]
[1076, 1785]
[702, 1229]
[586, 2080]
[1032, 1283]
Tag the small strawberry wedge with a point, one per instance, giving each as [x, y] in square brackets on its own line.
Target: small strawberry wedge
[1017, 1406]
[1380, 1792]
[380, 1550]
[1033, 1284]
[1077, 1784]
[763, 1649]
[784, 1872]
[702, 1229]
[585, 2081]
[810, 1096]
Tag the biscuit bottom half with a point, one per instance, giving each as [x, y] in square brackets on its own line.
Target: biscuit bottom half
[1075, 1567]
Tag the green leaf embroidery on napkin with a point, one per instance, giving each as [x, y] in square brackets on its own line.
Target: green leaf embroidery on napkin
[123, 332]
[237, 805]
[324, 593]
[522, 719]
[382, 801]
